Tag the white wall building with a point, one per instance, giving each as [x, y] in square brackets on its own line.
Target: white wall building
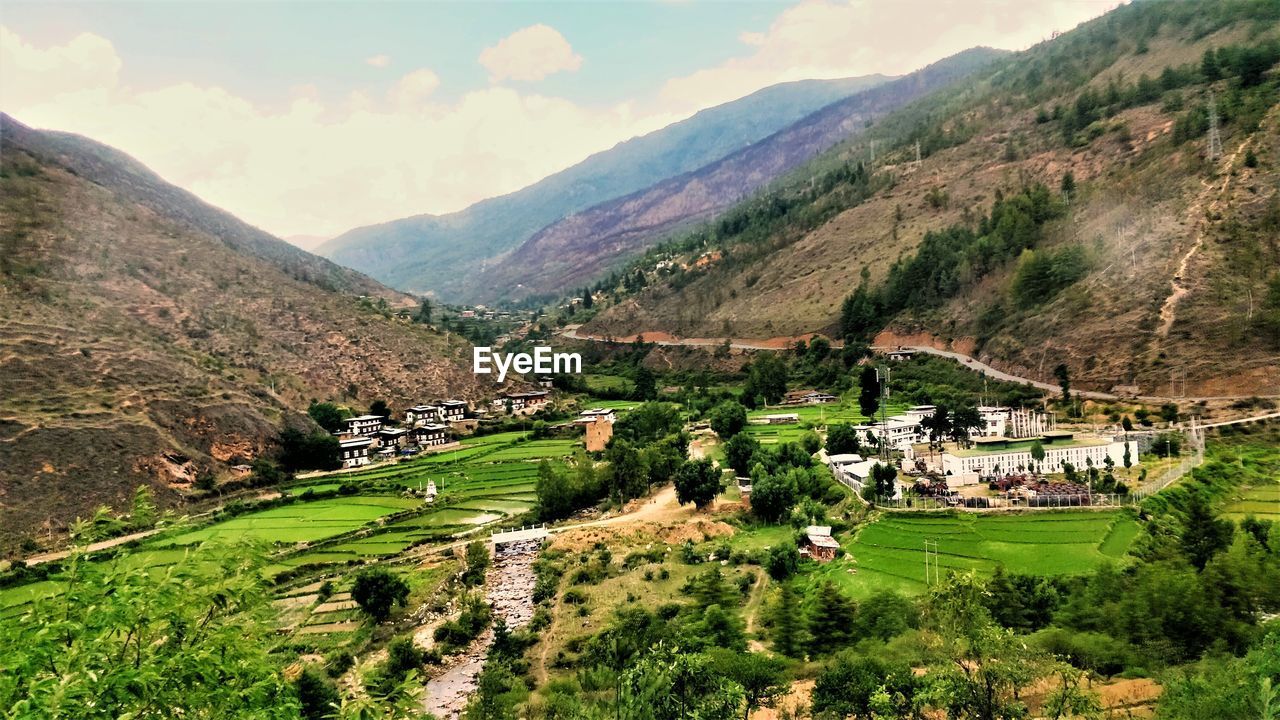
[1003, 455]
[354, 452]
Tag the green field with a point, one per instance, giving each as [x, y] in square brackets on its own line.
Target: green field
[299, 522]
[810, 416]
[889, 553]
[1261, 502]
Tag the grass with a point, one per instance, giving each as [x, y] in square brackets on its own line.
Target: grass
[1261, 502]
[810, 416]
[889, 552]
[299, 522]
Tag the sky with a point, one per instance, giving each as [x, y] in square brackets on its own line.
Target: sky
[311, 118]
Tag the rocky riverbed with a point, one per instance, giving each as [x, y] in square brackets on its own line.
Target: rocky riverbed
[509, 589]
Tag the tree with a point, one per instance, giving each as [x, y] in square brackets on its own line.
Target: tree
[811, 442]
[1203, 534]
[327, 416]
[766, 378]
[144, 509]
[728, 419]
[1064, 382]
[1068, 183]
[1126, 424]
[698, 482]
[783, 561]
[740, 453]
[317, 694]
[849, 684]
[772, 495]
[788, 623]
[424, 311]
[379, 407]
[842, 439]
[555, 494]
[665, 684]
[938, 424]
[763, 678]
[309, 451]
[869, 391]
[884, 478]
[122, 640]
[477, 560]
[830, 620]
[964, 421]
[646, 384]
[378, 590]
[1037, 454]
[629, 476]
[587, 300]
[1169, 412]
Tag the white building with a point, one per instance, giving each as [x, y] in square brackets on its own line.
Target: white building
[588, 416]
[364, 425]
[992, 455]
[429, 435]
[994, 422]
[898, 431]
[354, 452]
[452, 410]
[423, 414]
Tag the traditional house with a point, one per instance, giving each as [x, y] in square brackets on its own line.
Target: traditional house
[423, 414]
[452, 410]
[354, 452]
[597, 414]
[819, 543]
[776, 419]
[429, 435]
[807, 397]
[364, 425]
[900, 354]
[524, 403]
[545, 382]
[393, 438]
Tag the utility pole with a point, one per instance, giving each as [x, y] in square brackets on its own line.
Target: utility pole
[931, 548]
[1215, 138]
[873, 153]
[917, 152]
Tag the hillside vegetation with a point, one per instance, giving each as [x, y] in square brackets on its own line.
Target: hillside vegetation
[148, 338]
[1064, 206]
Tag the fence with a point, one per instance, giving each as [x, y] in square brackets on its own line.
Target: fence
[1040, 502]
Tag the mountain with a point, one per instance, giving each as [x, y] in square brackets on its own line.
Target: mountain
[306, 242]
[1066, 210]
[147, 337]
[580, 247]
[438, 253]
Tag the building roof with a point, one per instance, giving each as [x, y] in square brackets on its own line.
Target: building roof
[355, 442]
[392, 431]
[422, 408]
[845, 458]
[820, 536]
[365, 418]
[452, 403]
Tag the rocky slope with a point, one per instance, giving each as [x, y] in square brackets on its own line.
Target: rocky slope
[438, 253]
[146, 337]
[1178, 251]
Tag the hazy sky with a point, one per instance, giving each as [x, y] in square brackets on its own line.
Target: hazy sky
[313, 118]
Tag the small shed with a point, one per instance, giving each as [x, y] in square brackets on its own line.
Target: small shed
[818, 541]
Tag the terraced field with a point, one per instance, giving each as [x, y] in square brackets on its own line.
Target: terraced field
[1260, 501]
[300, 522]
[889, 553]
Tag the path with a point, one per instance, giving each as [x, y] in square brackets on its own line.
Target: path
[1212, 197]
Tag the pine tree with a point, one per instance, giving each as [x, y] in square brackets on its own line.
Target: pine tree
[830, 620]
[788, 628]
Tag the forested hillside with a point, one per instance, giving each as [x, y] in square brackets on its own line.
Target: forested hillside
[1065, 205]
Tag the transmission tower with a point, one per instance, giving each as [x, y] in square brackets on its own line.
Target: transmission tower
[873, 153]
[931, 570]
[917, 152]
[1215, 137]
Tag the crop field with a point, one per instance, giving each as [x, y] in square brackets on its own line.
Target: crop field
[810, 416]
[1260, 501]
[889, 553]
[300, 522]
[606, 383]
[615, 405]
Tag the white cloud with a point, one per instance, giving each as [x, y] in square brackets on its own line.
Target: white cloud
[413, 88]
[846, 38]
[378, 61]
[312, 167]
[529, 54]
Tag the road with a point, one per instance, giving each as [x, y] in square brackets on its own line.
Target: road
[970, 362]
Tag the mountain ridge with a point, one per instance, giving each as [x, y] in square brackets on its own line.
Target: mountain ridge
[433, 253]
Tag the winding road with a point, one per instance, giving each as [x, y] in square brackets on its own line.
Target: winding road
[573, 332]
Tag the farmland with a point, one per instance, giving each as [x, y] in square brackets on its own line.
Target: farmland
[810, 416]
[888, 553]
